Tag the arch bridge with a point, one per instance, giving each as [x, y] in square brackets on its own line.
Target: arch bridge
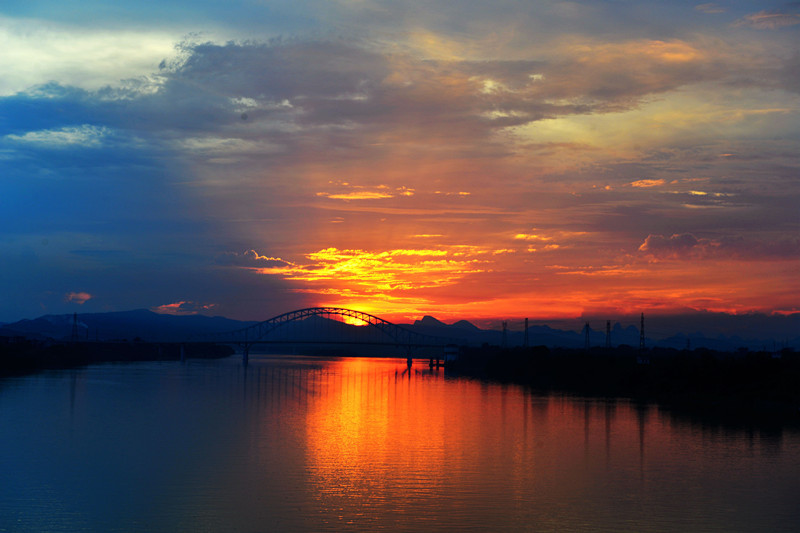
[296, 328]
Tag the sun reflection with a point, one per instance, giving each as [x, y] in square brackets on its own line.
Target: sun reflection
[384, 443]
[370, 428]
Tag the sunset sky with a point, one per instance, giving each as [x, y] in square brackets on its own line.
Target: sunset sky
[468, 160]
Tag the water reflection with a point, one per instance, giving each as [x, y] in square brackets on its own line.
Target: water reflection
[364, 444]
[385, 444]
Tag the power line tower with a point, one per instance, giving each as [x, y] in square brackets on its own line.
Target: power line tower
[641, 335]
[74, 337]
[525, 340]
[586, 330]
[505, 334]
[608, 334]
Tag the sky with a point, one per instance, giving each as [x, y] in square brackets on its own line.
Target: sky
[467, 160]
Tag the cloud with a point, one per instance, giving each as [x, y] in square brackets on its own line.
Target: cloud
[183, 308]
[546, 248]
[36, 51]
[361, 192]
[770, 20]
[301, 86]
[531, 237]
[549, 235]
[252, 145]
[459, 193]
[647, 183]
[79, 298]
[357, 195]
[686, 246]
[250, 259]
[673, 247]
[710, 8]
[85, 135]
[366, 272]
[346, 100]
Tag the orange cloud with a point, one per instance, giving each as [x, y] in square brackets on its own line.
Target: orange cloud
[531, 237]
[667, 51]
[79, 298]
[182, 308]
[399, 276]
[546, 248]
[647, 183]
[359, 192]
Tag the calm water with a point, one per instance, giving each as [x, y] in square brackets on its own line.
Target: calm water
[293, 443]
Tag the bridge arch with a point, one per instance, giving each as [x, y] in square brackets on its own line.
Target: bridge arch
[399, 335]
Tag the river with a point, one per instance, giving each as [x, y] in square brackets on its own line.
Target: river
[293, 443]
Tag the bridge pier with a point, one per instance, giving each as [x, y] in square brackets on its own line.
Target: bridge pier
[246, 354]
[183, 353]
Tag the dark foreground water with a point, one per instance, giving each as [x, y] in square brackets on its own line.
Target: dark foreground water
[293, 443]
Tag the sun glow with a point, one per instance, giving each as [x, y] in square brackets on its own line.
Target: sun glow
[374, 272]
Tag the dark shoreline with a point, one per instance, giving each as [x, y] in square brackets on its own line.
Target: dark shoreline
[737, 389]
[742, 388]
[30, 356]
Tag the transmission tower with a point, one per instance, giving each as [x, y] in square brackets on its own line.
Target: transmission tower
[505, 333]
[586, 330]
[74, 337]
[608, 334]
[525, 340]
[641, 335]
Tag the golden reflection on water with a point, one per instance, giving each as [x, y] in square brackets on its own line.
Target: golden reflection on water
[320, 444]
[374, 437]
[385, 444]
[383, 440]
[366, 444]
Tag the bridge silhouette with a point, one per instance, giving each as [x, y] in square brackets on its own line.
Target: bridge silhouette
[327, 326]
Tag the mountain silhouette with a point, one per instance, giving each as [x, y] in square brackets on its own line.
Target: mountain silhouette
[150, 326]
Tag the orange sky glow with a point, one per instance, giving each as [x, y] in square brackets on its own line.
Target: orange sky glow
[543, 160]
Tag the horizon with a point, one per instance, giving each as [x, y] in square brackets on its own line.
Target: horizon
[781, 329]
[559, 160]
